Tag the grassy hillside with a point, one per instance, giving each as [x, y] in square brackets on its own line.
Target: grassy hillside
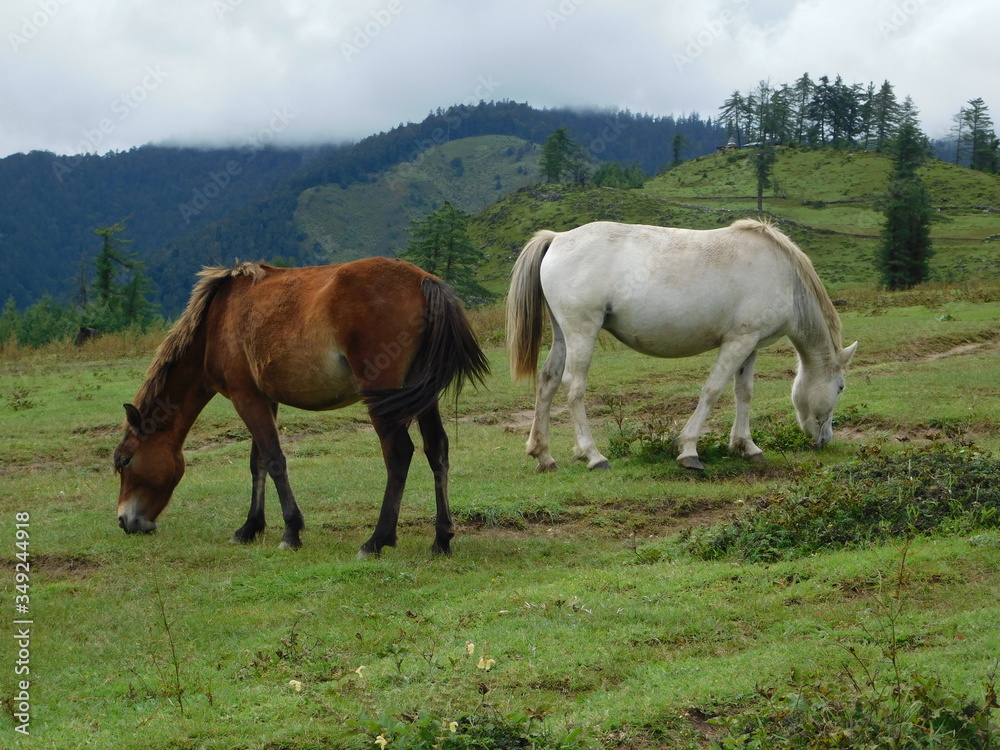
[373, 218]
[574, 609]
[827, 200]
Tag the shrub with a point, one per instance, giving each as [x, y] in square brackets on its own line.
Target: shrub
[876, 496]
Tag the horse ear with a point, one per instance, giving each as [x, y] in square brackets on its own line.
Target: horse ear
[133, 416]
[846, 354]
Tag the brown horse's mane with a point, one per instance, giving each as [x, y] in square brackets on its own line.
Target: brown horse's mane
[806, 271]
[183, 332]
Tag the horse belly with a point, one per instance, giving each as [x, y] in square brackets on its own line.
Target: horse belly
[666, 335]
[316, 384]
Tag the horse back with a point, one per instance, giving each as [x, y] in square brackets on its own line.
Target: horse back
[664, 291]
[315, 337]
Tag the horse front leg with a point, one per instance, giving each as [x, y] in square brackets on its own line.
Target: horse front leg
[731, 354]
[436, 449]
[548, 383]
[740, 441]
[255, 523]
[259, 415]
[397, 450]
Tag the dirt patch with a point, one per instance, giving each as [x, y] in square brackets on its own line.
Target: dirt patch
[520, 421]
[955, 351]
[64, 567]
[100, 430]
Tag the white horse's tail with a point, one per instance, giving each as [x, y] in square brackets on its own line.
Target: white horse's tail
[526, 306]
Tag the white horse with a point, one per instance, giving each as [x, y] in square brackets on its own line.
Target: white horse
[673, 293]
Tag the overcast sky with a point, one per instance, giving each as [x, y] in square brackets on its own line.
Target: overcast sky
[95, 75]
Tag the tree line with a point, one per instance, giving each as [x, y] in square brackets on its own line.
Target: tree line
[834, 113]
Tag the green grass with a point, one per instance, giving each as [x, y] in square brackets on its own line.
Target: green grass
[603, 631]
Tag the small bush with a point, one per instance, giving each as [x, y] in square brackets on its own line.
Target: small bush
[879, 495]
[850, 713]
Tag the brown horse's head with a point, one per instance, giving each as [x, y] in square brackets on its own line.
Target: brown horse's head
[150, 466]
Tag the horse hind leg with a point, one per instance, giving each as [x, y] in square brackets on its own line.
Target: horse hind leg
[436, 450]
[549, 379]
[740, 441]
[397, 451]
[579, 352]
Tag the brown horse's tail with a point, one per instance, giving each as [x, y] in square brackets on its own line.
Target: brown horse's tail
[448, 356]
[526, 306]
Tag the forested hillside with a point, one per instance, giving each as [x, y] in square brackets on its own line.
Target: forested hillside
[187, 208]
[50, 205]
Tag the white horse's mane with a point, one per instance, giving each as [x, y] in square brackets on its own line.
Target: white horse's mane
[804, 267]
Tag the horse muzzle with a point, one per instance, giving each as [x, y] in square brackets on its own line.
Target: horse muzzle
[136, 525]
[825, 435]
[132, 522]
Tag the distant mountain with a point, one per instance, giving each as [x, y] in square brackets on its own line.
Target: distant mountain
[187, 208]
[50, 205]
[374, 217]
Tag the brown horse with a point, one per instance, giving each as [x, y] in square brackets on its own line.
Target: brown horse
[378, 330]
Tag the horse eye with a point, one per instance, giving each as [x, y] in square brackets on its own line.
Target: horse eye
[124, 461]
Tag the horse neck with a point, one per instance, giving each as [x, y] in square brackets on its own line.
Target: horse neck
[817, 348]
[175, 406]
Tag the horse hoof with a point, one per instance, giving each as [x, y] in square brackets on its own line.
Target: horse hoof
[604, 465]
[289, 545]
[545, 468]
[757, 458]
[691, 462]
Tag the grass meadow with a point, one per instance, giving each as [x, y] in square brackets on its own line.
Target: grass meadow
[573, 611]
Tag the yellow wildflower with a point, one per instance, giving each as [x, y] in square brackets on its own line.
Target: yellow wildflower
[381, 741]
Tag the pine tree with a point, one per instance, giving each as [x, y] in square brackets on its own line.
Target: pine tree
[885, 116]
[763, 158]
[803, 93]
[441, 245]
[678, 143]
[730, 113]
[903, 256]
[561, 156]
[979, 140]
[120, 286]
[10, 322]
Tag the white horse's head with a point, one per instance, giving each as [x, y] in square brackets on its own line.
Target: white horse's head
[814, 395]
